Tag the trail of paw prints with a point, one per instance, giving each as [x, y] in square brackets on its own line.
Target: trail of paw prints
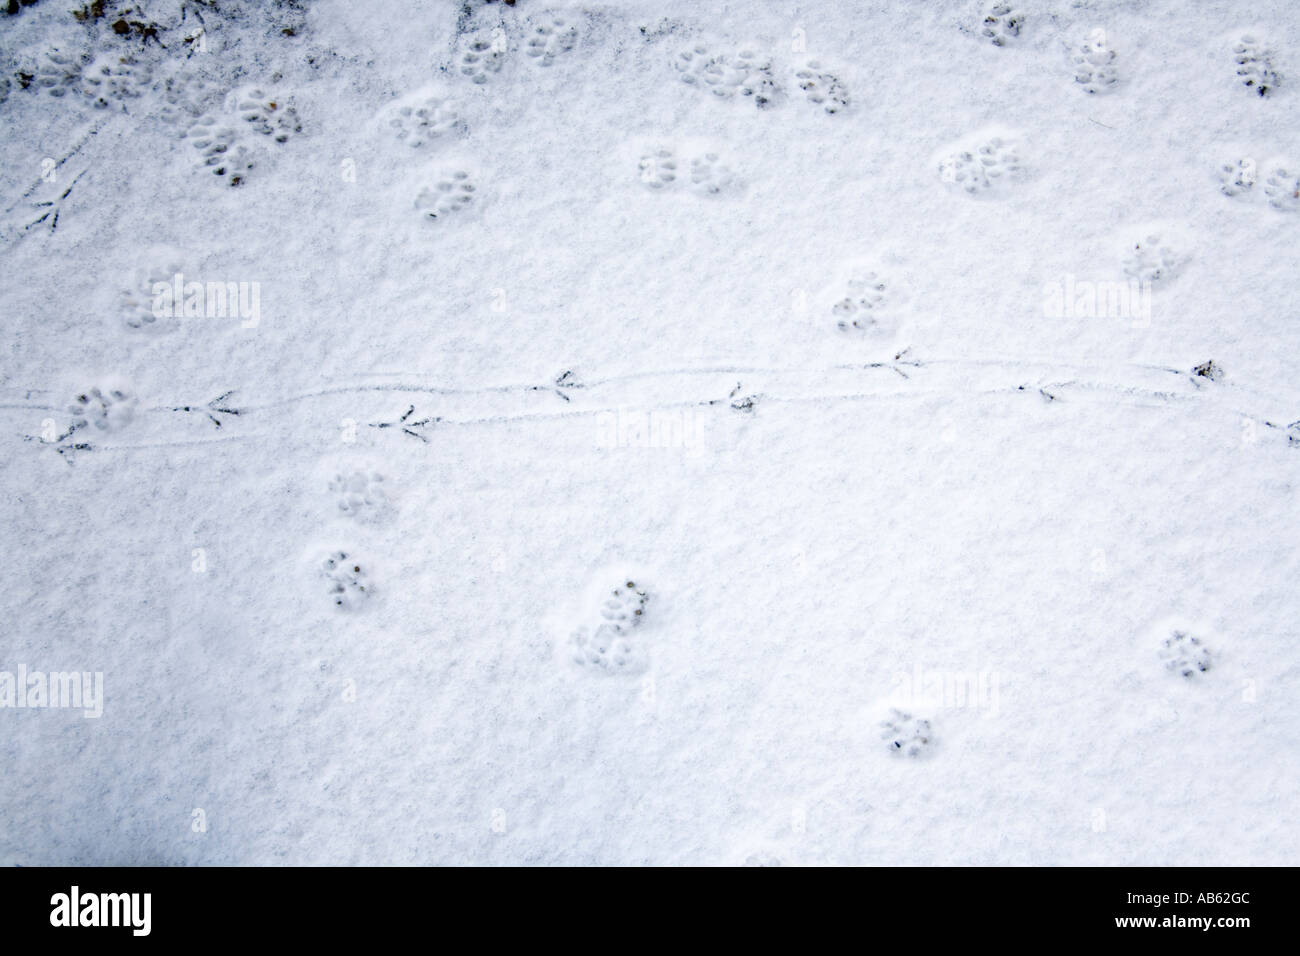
[1095, 68]
[228, 141]
[346, 581]
[421, 118]
[1253, 59]
[361, 494]
[1001, 23]
[608, 642]
[107, 406]
[451, 195]
[113, 81]
[1185, 654]
[1238, 179]
[906, 735]
[822, 87]
[550, 36]
[706, 173]
[483, 53]
[747, 73]
[982, 166]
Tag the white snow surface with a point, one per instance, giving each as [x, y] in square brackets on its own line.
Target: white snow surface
[834, 528]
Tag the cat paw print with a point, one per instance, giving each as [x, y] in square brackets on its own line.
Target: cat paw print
[1153, 258]
[1254, 62]
[1002, 23]
[906, 735]
[452, 193]
[1185, 654]
[1236, 177]
[609, 644]
[986, 167]
[866, 306]
[1095, 68]
[763, 858]
[135, 300]
[184, 99]
[711, 176]
[266, 113]
[346, 583]
[221, 150]
[483, 54]
[113, 81]
[420, 119]
[658, 168]
[549, 36]
[58, 72]
[361, 494]
[106, 407]
[822, 87]
[1282, 188]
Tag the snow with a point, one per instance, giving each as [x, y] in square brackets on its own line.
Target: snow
[541, 313]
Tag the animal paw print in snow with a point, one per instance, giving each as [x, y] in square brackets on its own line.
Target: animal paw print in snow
[360, 494]
[710, 176]
[822, 87]
[108, 407]
[1185, 654]
[610, 647]
[347, 583]
[864, 307]
[1254, 63]
[982, 169]
[452, 193]
[1151, 259]
[485, 54]
[420, 119]
[550, 37]
[1236, 178]
[58, 72]
[135, 301]
[905, 734]
[113, 80]
[1094, 65]
[220, 150]
[266, 113]
[658, 168]
[762, 859]
[1002, 23]
[1282, 188]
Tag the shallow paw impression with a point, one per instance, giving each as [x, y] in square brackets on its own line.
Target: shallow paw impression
[746, 73]
[905, 734]
[867, 304]
[1153, 258]
[822, 87]
[221, 150]
[986, 167]
[360, 494]
[452, 192]
[420, 118]
[550, 36]
[1185, 654]
[1094, 65]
